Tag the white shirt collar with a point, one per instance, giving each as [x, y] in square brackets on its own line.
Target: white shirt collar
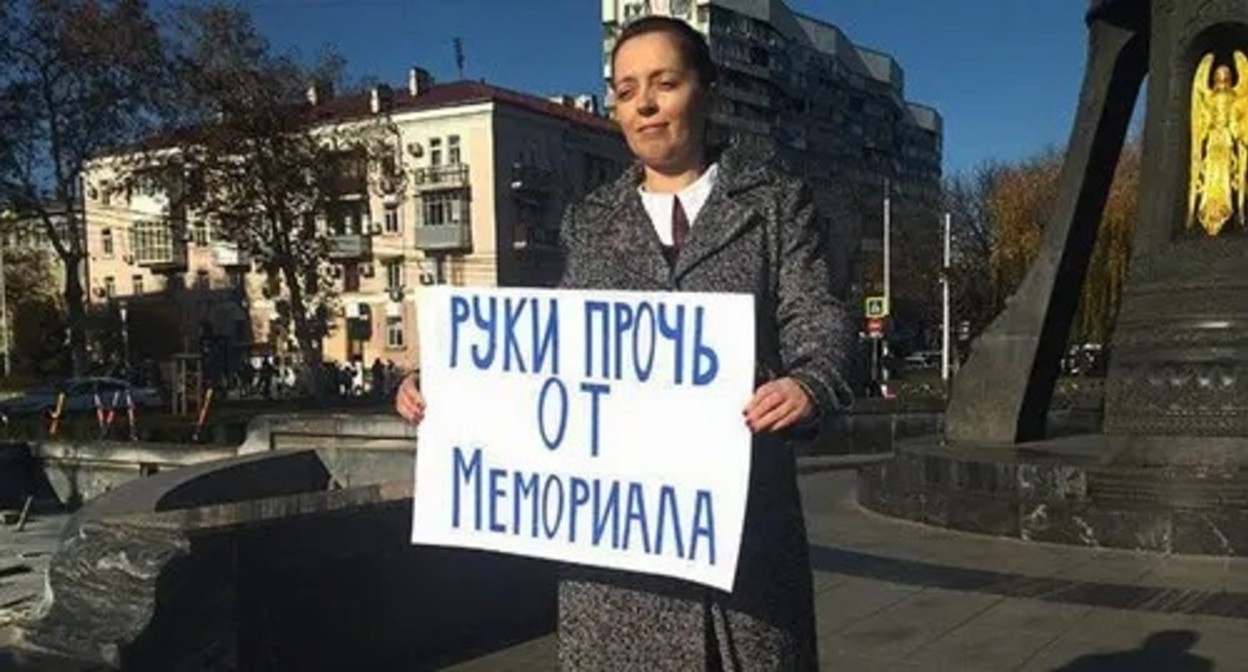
[692, 198]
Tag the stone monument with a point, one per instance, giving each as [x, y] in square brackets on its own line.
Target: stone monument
[1163, 472]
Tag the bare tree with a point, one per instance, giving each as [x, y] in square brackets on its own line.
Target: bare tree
[967, 200]
[77, 78]
[265, 169]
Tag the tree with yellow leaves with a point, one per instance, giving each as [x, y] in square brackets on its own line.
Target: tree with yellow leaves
[1020, 203]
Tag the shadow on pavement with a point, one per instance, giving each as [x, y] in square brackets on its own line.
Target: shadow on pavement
[1165, 651]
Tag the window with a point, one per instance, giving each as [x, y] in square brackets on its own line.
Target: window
[138, 284]
[199, 232]
[236, 278]
[394, 332]
[110, 287]
[530, 227]
[350, 277]
[106, 242]
[152, 241]
[452, 150]
[393, 223]
[394, 274]
[146, 184]
[445, 207]
[346, 218]
[435, 151]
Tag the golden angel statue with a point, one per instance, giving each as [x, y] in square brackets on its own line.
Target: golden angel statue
[1219, 144]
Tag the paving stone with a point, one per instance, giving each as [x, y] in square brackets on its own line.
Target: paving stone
[905, 626]
[855, 600]
[982, 646]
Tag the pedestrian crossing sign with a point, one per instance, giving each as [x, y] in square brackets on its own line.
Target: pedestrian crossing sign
[876, 307]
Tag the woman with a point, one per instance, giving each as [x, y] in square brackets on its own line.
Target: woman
[687, 218]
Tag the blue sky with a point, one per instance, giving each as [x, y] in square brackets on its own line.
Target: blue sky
[1005, 74]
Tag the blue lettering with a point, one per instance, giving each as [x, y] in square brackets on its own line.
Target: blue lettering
[667, 511]
[608, 513]
[469, 472]
[511, 322]
[594, 390]
[563, 412]
[496, 491]
[623, 322]
[488, 324]
[676, 332]
[548, 344]
[637, 514]
[644, 316]
[702, 352]
[546, 517]
[459, 315]
[597, 308]
[703, 525]
[525, 489]
[580, 497]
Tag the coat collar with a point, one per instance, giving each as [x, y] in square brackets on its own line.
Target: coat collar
[628, 230]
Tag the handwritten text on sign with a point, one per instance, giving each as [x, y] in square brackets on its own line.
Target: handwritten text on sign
[600, 428]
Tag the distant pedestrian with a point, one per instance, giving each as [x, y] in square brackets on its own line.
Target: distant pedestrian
[246, 378]
[267, 371]
[379, 378]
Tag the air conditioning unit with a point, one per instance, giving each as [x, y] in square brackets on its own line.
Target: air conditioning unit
[426, 278]
[129, 259]
[367, 270]
[99, 292]
[375, 229]
[415, 149]
[336, 272]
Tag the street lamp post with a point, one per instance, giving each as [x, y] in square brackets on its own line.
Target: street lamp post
[945, 327]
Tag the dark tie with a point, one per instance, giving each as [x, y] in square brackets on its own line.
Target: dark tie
[680, 224]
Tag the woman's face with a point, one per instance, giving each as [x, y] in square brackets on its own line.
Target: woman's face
[659, 102]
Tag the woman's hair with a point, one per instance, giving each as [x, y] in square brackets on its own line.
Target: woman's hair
[692, 46]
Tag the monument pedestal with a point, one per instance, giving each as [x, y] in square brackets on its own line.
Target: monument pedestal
[1086, 490]
[1166, 472]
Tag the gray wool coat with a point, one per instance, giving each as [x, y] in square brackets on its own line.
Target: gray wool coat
[757, 233]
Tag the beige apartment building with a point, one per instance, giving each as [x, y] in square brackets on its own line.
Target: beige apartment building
[487, 173]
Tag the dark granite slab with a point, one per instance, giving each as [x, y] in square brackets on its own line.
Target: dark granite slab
[1067, 491]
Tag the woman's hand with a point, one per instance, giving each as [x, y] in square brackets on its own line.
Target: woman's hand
[776, 405]
[409, 402]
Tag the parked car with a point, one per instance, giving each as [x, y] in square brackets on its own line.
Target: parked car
[80, 396]
[924, 359]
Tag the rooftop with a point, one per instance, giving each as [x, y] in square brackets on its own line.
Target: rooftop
[457, 94]
[358, 105]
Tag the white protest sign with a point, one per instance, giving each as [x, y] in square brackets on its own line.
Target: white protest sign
[601, 428]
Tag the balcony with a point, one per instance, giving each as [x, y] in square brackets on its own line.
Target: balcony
[228, 255]
[350, 175]
[747, 96]
[158, 246]
[526, 179]
[350, 246]
[454, 176]
[444, 237]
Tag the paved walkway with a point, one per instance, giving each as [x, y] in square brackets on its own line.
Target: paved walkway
[898, 596]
